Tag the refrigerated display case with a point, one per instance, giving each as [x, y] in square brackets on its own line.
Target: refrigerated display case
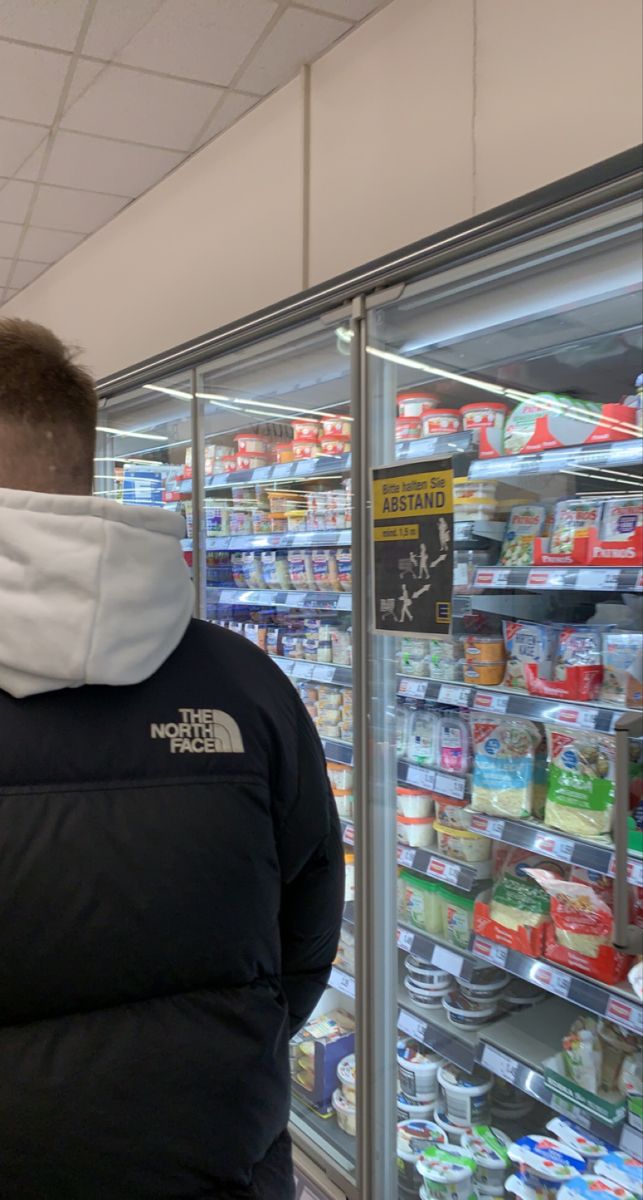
[466, 991]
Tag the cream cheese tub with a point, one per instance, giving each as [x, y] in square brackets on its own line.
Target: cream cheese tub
[488, 1147]
[462, 844]
[485, 984]
[415, 831]
[412, 1139]
[420, 996]
[447, 1173]
[346, 1076]
[545, 1163]
[417, 1069]
[466, 1096]
[488, 418]
[346, 1113]
[429, 978]
[453, 1132]
[412, 802]
[409, 1108]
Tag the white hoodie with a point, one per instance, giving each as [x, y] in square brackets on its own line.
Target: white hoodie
[91, 591]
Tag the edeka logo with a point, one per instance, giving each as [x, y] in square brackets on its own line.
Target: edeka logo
[200, 731]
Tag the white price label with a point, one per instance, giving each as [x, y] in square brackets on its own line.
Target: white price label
[635, 871]
[491, 578]
[349, 835]
[325, 674]
[414, 1026]
[342, 982]
[301, 670]
[421, 777]
[449, 694]
[499, 1064]
[492, 703]
[296, 599]
[415, 688]
[490, 950]
[446, 960]
[443, 870]
[489, 825]
[450, 785]
[600, 581]
[569, 714]
[538, 579]
[551, 980]
[405, 939]
[405, 856]
[625, 1013]
[554, 847]
[229, 597]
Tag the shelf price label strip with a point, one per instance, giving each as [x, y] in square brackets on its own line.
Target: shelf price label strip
[553, 845]
[342, 982]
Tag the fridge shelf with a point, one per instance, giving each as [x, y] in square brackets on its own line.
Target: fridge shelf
[323, 1131]
[618, 1005]
[435, 1032]
[610, 454]
[441, 443]
[342, 982]
[305, 468]
[330, 601]
[532, 836]
[435, 952]
[576, 714]
[430, 780]
[464, 876]
[274, 541]
[295, 668]
[573, 579]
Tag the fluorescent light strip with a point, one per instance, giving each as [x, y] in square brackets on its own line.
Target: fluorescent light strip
[148, 437]
[215, 398]
[167, 391]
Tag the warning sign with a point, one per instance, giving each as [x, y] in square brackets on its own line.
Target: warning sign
[413, 547]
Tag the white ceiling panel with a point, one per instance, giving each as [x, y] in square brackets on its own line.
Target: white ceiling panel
[9, 238]
[14, 199]
[30, 82]
[101, 165]
[233, 106]
[199, 39]
[25, 273]
[49, 22]
[48, 245]
[138, 107]
[145, 84]
[78, 212]
[298, 37]
[16, 143]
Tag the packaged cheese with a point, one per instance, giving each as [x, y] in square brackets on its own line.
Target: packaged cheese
[572, 519]
[527, 643]
[526, 523]
[621, 518]
[503, 765]
[582, 920]
[516, 900]
[623, 667]
[580, 790]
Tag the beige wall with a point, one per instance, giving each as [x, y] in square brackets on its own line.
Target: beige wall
[431, 111]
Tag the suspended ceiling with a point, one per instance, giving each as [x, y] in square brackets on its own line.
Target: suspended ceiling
[100, 99]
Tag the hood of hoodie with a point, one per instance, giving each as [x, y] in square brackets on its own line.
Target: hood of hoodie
[91, 591]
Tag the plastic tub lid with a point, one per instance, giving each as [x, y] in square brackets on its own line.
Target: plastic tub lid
[341, 1104]
[488, 1146]
[409, 1051]
[546, 1158]
[415, 820]
[422, 1130]
[494, 404]
[418, 966]
[593, 1187]
[450, 1076]
[457, 1003]
[622, 1169]
[346, 1070]
[578, 1138]
[450, 1164]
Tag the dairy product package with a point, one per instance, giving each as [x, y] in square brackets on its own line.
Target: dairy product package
[582, 921]
[527, 643]
[251, 566]
[423, 737]
[325, 570]
[580, 789]
[516, 900]
[345, 569]
[578, 660]
[621, 518]
[274, 565]
[623, 667]
[573, 519]
[300, 569]
[526, 522]
[503, 765]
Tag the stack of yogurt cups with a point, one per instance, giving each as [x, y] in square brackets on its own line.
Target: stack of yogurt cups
[417, 1071]
[344, 1097]
[426, 985]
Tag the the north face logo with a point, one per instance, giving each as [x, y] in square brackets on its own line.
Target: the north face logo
[201, 731]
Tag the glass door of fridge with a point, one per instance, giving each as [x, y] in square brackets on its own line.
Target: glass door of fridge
[274, 437]
[512, 743]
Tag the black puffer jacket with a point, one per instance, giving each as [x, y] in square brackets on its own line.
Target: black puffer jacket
[170, 895]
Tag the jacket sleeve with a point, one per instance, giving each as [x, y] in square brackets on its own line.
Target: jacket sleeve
[312, 864]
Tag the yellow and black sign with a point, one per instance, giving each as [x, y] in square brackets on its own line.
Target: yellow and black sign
[413, 547]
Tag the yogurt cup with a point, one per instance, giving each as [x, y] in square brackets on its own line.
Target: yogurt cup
[417, 1069]
[622, 1169]
[408, 429]
[447, 1173]
[415, 831]
[334, 447]
[417, 1135]
[466, 1096]
[420, 996]
[409, 1108]
[484, 649]
[484, 674]
[346, 1113]
[249, 443]
[453, 1132]
[429, 978]
[346, 1076]
[251, 462]
[441, 420]
[593, 1187]
[578, 1138]
[488, 1146]
[415, 404]
[336, 427]
[305, 430]
[485, 984]
[545, 1163]
[412, 802]
[488, 418]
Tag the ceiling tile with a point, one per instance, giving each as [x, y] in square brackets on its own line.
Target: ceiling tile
[25, 273]
[199, 39]
[67, 208]
[48, 245]
[17, 142]
[101, 165]
[84, 74]
[298, 37]
[5, 267]
[350, 10]
[8, 294]
[14, 200]
[51, 24]
[113, 24]
[9, 238]
[232, 107]
[30, 168]
[139, 107]
[30, 82]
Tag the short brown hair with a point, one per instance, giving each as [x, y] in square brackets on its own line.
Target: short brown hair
[47, 402]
